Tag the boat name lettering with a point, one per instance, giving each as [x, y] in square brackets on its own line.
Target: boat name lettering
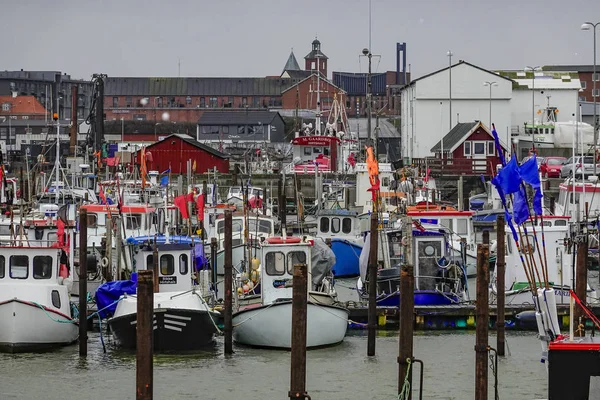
[167, 280]
[558, 292]
[282, 283]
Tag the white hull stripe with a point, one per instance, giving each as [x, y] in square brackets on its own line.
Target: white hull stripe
[178, 317]
[173, 328]
[175, 322]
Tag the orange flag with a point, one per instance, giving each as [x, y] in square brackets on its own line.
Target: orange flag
[143, 169]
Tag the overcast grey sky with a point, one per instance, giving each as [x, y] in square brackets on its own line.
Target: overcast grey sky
[254, 37]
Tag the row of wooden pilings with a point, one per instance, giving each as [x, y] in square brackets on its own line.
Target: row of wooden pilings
[145, 307]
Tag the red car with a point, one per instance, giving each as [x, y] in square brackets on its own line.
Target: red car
[550, 167]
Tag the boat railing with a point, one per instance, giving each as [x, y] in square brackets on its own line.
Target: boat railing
[441, 283]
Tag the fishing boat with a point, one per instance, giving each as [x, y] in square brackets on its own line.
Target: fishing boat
[440, 279]
[183, 319]
[341, 229]
[35, 312]
[267, 322]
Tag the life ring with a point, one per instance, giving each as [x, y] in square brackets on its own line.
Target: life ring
[283, 240]
[104, 262]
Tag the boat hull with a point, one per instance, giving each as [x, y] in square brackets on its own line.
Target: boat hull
[270, 326]
[421, 298]
[347, 258]
[27, 327]
[523, 296]
[174, 329]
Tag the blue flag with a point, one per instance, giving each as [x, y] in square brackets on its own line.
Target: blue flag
[529, 172]
[164, 181]
[166, 171]
[537, 202]
[508, 178]
[498, 147]
[520, 207]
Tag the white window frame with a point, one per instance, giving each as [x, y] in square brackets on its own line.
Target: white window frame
[470, 145]
[583, 84]
[595, 92]
[491, 150]
[475, 142]
[596, 77]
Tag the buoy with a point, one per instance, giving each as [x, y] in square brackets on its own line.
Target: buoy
[283, 240]
[244, 277]
[245, 288]
[104, 262]
[250, 285]
[240, 291]
[254, 276]
[255, 263]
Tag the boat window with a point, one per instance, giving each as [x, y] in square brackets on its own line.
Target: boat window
[2, 262]
[183, 264]
[461, 226]
[324, 226]
[19, 267]
[560, 222]
[133, 221]
[236, 226]
[92, 221]
[264, 226]
[42, 267]
[52, 237]
[509, 240]
[335, 225]
[55, 298]
[150, 261]
[546, 223]
[167, 264]
[293, 258]
[275, 263]
[447, 223]
[347, 225]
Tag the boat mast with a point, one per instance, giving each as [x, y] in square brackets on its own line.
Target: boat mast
[318, 119]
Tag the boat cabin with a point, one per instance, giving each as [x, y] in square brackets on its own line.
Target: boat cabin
[258, 228]
[389, 196]
[279, 255]
[175, 263]
[337, 223]
[314, 153]
[572, 197]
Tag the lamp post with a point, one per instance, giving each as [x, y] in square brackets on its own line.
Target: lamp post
[586, 27]
[490, 84]
[450, 54]
[533, 71]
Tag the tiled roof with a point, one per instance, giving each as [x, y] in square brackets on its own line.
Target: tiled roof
[125, 86]
[237, 117]
[22, 105]
[454, 137]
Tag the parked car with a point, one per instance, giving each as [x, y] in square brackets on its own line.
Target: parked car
[550, 167]
[588, 167]
[538, 159]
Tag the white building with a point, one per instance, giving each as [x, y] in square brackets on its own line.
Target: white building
[428, 114]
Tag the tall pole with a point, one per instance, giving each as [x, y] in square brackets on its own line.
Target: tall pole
[367, 52]
[490, 84]
[372, 273]
[581, 283]
[74, 120]
[533, 70]
[407, 308]
[83, 282]
[298, 350]
[144, 338]
[586, 26]
[450, 54]
[500, 274]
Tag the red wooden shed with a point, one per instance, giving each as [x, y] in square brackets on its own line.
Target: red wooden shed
[175, 150]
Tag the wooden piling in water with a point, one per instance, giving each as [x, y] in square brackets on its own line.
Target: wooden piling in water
[213, 264]
[299, 315]
[282, 204]
[407, 309]
[482, 322]
[83, 282]
[155, 265]
[500, 277]
[581, 285]
[144, 335]
[372, 273]
[228, 267]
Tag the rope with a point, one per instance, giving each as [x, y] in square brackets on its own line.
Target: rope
[62, 321]
[405, 393]
[252, 316]
[209, 313]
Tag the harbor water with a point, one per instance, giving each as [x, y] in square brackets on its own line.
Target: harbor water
[340, 372]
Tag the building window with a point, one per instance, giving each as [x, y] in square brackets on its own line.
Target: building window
[19, 267]
[467, 148]
[188, 100]
[212, 102]
[596, 93]
[183, 264]
[491, 149]
[596, 77]
[256, 102]
[225, 129]
[241, 129]
[479, 148]
[202, 102]
[3, 133]
[42, 267]
[139, 117]
[312, 65]
[159, 101]
[128, 101]
[583, 84]
[244, 101]
[6, 107]
[115, 102]
[582, 98]
[167, 264]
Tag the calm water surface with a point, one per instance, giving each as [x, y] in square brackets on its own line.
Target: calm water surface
[340, 372]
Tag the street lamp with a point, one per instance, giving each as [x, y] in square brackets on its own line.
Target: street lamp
[586, 27]
[450, 54]
[533, 71]
[490, 84]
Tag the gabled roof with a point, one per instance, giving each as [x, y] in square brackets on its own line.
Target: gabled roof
[297, 75]
[456, 136]
[309, 77]
[292, 63]
[242, 117]
[22, 105]
[455, 65]
[194, 143]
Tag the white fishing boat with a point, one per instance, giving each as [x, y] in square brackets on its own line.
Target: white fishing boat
[183, 319]
[268, 322]
[35, 311]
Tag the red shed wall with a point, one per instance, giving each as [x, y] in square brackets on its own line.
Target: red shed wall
[174, 153]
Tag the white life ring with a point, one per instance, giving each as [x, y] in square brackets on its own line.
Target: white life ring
[104, 262]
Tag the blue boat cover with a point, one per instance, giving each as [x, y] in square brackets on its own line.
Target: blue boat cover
[161, 239]
[108, 294]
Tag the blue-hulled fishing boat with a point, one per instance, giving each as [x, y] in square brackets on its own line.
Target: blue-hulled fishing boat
[440, 279]
[347, 254]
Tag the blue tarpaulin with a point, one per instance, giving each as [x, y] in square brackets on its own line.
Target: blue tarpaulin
[109, 292]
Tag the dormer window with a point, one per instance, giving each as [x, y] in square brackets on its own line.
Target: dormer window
[5, 106]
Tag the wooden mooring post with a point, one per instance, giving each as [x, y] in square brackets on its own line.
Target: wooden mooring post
[581, 285]
[298, 351]
[155, 264]
[500, 277]
[83, 282]
[407, 309]
[228, 267]
[372, 273]
[482, 321]
[213, 264]
[144, 374]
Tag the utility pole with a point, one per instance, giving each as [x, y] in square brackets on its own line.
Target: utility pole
[449, 54]
[74, 121]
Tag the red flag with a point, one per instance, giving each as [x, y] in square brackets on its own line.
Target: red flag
[60, 232]
[181, 203]
[200, 207]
